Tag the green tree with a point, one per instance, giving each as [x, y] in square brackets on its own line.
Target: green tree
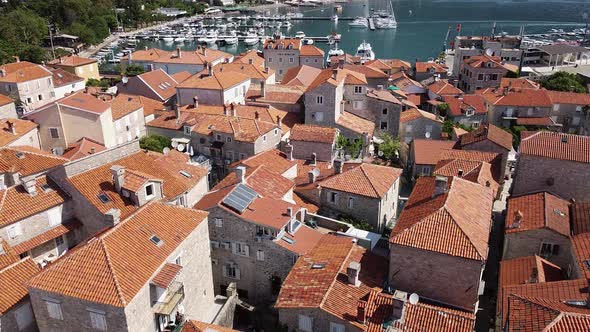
[563, 81]
[34, 54]
[442, 109]
[86, 34]
[133, 70]
[351, 147]
[154, 143]
[390, 145]
[19, 31]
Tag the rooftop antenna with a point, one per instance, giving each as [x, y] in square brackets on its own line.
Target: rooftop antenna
[493, 30]
[585, 16]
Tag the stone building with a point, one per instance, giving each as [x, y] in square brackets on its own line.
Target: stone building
[177, 61]
[109, 284]
[509, 106]
[489, 138]
[538, 224]
[443, 231]
[337, 286]
[282, 54]
[570, 109]
[417, 124]
[18, 132]
[423, 156]
[481, 72]
[468, 110]
[81, 67]
[385, 110]
[7, 107]
[425, 70]
[553, 162]
[16, 313]
[30, 83]
[256, 234]
[307, 140]
[366, 193]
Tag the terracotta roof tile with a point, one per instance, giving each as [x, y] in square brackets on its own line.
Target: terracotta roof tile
[264, 181]
[518, 98]
[428, 67]
[569, 323]
[483, 60]
[518, 83]
[273, 160]
[113, 267]
[7, 254]
[366, 180]
[581, 248]
[414, 114]
[250, 70]
[5, 100]
[217, 81]
[166, 275]
[580, 217]
[277, 93]
[444, 88]
[471, 170]
[200, 56]
[197, 326]
[71, 61]
[556, 146]
[82, 148]
[427, 151]
[23, 71]
[13, 279]
[123, 105]
[356, 123]
[21, 126]
[540, 210]
[265, 113]
[79, 101]
[488, 132]
[572, 98]
[162, 84]
[16, 203]
[494, 159]
[310, 50]
[445, 223]
[367, 71]
[528, 270]
[327, 76]
[302, 241]
[62, 77]
[383, 95]
[49, 235]
[181, 76]
[300, 76]
[283, 43]
[254, 55]
[458, 106]
[425, 317]
[27, 160]
[312, 133]
[151, 54]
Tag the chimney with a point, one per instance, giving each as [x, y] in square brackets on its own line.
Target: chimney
[177, 111]
[2, 72]
[16, 58]
[311, 175]
[234, 110]
[196, 102]
[178, 53]
[30, 185]
[361, 315]
[145, 48]
[334, 73]
[352, 271]
[399, 300]
[505, 91]
[289, 151]
[279, 122]
[11, 127]
[118, 173]
[256, 115]
[338, 165]
[262, 88]
[113, 216]
[209, 69]
[266, 70]
[92, 150]
[61, 60]
[440, 185]
[341, 63]
[204, 51]
[518, 216]
[314, 158]
[241, 174]
[225, 111]
[250, 61]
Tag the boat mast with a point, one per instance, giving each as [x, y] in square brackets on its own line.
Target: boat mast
[446, 39]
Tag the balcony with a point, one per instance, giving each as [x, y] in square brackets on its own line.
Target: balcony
[174, 295]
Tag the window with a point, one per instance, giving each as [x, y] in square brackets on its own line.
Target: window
[480, 77]
[40, 97]
[23, 316]
[228, 139]
[59, 241]
[54, 132]
[97, 319]
[350, 202]
[54, 309]
[384, 112]
[214, 244]
[291, 60]
[305, 323]
[187, 130]
[336, 327]
[578, 108]
[149, 190]
[280, 60]
[333, 196]
[229, 155]
[231, 271]
[218, 222]
[178, 260]
[318, 116]
[358, 89]
[409, 128]
[383, 125]
[240, 249]
[276, 132]
[494, 77]
[319, 100]
[269, 60]
[264, 138]
[218, 137]
[575, 120]
[14, 230]
[260, 255]
[549, 249]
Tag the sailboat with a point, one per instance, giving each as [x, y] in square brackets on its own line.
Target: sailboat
[388, 20]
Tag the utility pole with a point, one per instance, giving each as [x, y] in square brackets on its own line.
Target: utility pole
[51, 39]
[585, 16]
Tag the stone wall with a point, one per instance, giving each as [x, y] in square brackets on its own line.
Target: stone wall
[323, 151]
[489, 146]
[8, 318]
[330, 108]
[528, 243]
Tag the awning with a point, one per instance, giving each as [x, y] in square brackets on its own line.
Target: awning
[47, 236]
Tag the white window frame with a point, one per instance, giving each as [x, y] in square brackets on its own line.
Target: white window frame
[305, 323]
[98, 319]
[350, 202]
[148, 196]
[358, 89]
[240, 249]
[56, 132]
[187, 130]
[54, 309]
[260, 255]
[14, 230]
[218, 222]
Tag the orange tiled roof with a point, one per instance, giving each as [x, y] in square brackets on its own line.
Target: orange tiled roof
[27, 160]
[581, 248]
[300, 76]
[367, 71]
[572, 98]
[444, 88]
[540, 210]
[99, 180]
[21, 126]
[166, 275]
[556, 146]
[254, 55]
[7, 254]
[427, 151]
[580, 215]
[383, 95]
[82, 148]
[79, 101]
[251, 70]
[181, 76]
[367, 180]
[114, 266]
[277, 93]
[123, 105]
[488, 132]
[273, 159]
[263, 180]
[483, 60]
[414, 114]
[216, 81]
[426, 317]
[518, 98]
[197, 326]
[200, 56]
[518, 83]
[426, 67]
[23, 71]
[13, 279]
[162, 84]
[302, 241]
[494, 159]
[16, 203]
[544, 121]
[356, 124]
[71, 61]
[458, 106]
[283, 43]
[403, 81]
[526, 270]
[148, 55]
[310, 50]
[4, 100]
[62, 77]
[444, 223]
[472, 170]
[312, 133]
[49, 235]
[327, 76]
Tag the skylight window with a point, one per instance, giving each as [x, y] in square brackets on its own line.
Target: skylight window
[288, 240]
[558, 212]
[587, 264]
[20, 155]
[317, 266]
[156, 240]
[46, 188]
[104, 198]
[185, 174]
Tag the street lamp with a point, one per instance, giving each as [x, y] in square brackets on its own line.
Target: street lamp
[585, 16]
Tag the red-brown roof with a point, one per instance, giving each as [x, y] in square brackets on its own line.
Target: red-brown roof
[80, 101]
[62, 77]
[414, 114]
[483, 61]
[431, 67]
[426, 317]
[458, 106]
[518, 98]
[7, 255]
[23, 71]
[82, 148]
[114, 266]
[21, 127]
[5, 100]
[200, 56]
[162, 84]
[273, 159]
[367, 180]
[166, 275]
[283, 43]
[572, 98]
[581, 248]
[277, 93]
[536, 211]
[197, 326]
[356, 124]
[300, 76]
[518, 83]
[27, 160]
[472, 170]
[312, 133]
[13, 279]
[556, 146]
[123, 105]
[444, 88]
[71, 61]
[580, 215]
[263, 180]
[544, 121]
[488, 132]
[49, 235]
[216, 81]
[527, 270]
[427, 151]
[445, 223]
[310, 50]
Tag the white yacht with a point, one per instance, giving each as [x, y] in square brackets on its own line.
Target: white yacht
[168, 39]
[335, 51]
[231, 40]
[359, 22]
[209, 39]
[251, 40]
[365, 52]
[179, 40]
[300, 34]
[334, 18]
[387, 19]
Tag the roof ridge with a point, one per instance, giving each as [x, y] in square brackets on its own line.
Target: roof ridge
[362, 167]
[19, 261]
[336, 276]
[102, 245]
[33, 152]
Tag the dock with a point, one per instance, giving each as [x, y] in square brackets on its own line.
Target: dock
[371, 23]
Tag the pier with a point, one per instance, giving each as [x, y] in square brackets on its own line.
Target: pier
[371, 23]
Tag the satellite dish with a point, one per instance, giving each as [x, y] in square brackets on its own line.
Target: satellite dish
[427, 134]
[414, 298]
[166, 150]
[174, 144]
[180, 147]
[316, 172]
[380, 153]
[489, 52]
[125, 79]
